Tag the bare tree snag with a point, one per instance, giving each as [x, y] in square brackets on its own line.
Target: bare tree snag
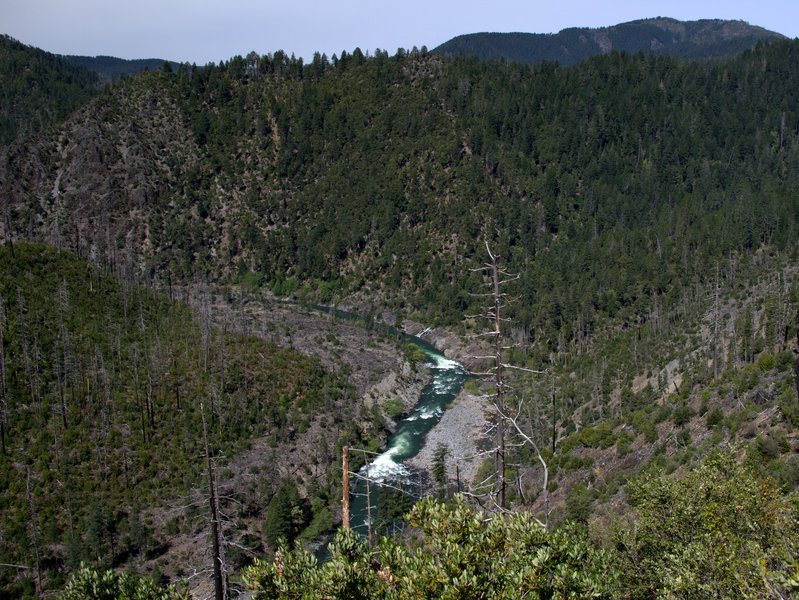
[345, 487]
[796, 354]
[368, 506]
[492, 312]
[33, 528]
[4, 388]
[63, 309]
[527, 439]
[499, 463]
[219, 593]
[716, 325]
[554, 420]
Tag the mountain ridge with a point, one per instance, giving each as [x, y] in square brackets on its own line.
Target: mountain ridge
[38, 88]
[706, 38]
[220, 171]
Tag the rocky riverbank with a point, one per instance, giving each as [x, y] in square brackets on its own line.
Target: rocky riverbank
[462, 430]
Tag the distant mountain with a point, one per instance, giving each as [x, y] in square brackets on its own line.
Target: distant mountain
[38, 87]
[112, 68]
[706, 38]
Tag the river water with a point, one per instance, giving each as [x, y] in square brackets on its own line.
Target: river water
[447, 378]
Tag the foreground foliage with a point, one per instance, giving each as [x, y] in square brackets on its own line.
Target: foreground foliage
[464, 555]
[717, 532]
[91, 584]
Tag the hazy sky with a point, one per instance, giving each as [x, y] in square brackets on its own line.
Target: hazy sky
[211, 30]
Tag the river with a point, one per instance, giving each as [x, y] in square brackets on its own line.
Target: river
[447, 379]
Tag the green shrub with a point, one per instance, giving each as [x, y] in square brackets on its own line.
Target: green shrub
[661, 414]
[643, 424]
[765, 362]
[251, 282]
[747, 378]
[600, 436]
[705, 533]
[766, 447]
[472, 387]
[789, 405]
[684, 437]
[578, 503]
[784, 360]
[91, 584]
[321, 521]
[623, 443]
[786, 473]
[463, 555]
[714, 417]
[682, 414]
[393, 407]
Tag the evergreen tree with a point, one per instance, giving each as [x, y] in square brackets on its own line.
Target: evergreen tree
[284, 516]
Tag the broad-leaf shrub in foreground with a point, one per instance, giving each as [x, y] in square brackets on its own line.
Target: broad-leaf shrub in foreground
[90, 584]
[464, 555]
[719, 531]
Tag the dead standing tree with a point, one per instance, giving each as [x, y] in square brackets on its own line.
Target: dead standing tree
[498, 277]
[218, 563]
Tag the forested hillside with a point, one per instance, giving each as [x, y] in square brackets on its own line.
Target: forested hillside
[36, 88]
[104, 389]
[644, 207]
[610, 186]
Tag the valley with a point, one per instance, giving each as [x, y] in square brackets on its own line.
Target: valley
[177, 247]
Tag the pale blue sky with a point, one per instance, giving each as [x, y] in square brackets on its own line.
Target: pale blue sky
[211, 30]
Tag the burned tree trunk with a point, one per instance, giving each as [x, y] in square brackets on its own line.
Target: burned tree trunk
[499, 463]
[4, 388]
[496, 278]
[219, 593]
